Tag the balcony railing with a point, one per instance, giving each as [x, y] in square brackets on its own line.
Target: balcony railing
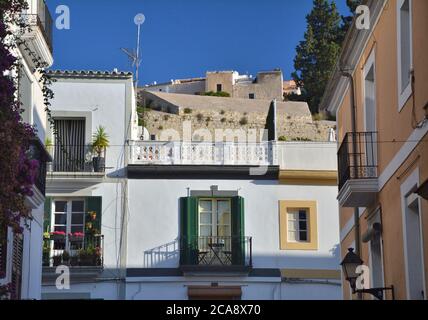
[357, 157]
[200, 153]
[216, 251]
[76, 158]
[74, 251]
[43, 20]
[38, 152]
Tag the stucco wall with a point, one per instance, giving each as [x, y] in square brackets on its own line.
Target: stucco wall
[153, 225]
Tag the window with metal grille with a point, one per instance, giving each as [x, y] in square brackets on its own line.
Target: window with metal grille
[17, 266]
[3, 250]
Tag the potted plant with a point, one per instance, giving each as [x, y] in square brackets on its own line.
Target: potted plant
[65, 257]
[57, 236]
[92, 215]
[75, 237]
[99, 144]
[90, 256]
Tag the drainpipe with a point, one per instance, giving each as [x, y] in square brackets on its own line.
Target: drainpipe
[354, 151]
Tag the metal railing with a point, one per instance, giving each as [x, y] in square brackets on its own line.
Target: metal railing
[216, 251]
[76, 158]
[43, 20]
[199, 153]
[86, 251]
[37, 152]
[357, 157]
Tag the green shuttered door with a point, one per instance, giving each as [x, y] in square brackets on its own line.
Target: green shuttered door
[238, 232]
[189, 230]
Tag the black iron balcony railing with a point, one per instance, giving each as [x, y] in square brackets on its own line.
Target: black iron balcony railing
[77, 158]
[74, 251]
[38, 152]
[43, 20]
[216, 251]
[357, 157]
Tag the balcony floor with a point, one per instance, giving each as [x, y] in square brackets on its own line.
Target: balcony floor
[358, 193]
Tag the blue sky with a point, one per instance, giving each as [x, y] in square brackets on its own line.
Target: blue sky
[182, 38]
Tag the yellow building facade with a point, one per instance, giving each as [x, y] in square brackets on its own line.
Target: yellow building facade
[379, 94]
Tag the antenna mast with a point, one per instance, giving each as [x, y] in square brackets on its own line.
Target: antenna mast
[134, 55]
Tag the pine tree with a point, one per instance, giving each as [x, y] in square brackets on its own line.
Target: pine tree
[347, 20]
[317, 54]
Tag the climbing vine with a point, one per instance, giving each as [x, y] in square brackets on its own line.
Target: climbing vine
[18, 171]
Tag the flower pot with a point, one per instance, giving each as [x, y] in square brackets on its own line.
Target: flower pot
[57, 237]
[98, 163]
[75, 239]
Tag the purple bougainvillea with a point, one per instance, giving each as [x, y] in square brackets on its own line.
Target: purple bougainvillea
[17, 171]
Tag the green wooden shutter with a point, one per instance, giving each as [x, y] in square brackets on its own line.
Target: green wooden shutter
[238, 231]
[48, 215]
[188, 230]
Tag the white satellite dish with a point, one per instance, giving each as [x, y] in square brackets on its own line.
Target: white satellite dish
[139, 19]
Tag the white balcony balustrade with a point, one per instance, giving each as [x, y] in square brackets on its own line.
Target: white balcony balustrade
[203, 153]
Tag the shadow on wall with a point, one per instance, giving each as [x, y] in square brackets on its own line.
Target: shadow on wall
[168, 256]
[163, 255]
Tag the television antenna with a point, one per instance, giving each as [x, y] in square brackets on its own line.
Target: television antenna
[134, 55]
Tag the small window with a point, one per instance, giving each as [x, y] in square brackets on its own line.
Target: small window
[252, 96]
[297, 225]
[219, 88]
[404, 30]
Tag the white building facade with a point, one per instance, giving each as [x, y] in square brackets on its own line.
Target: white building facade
[20, 254]
[182, 220]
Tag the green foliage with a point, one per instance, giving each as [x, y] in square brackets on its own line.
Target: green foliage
[100, 140]
[223, 120]
[319, 116]
[282, 138]
[243, 121]
[222, 112]
[301, 139]
[317, 54]
[200, 117]
[217, 94]
[187, 111]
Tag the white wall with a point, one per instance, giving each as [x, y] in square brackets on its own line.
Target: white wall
[302, 155]
[154, 222]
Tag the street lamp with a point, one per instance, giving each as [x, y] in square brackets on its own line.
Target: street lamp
[349, 267]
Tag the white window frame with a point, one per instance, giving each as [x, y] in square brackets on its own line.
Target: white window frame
[291, 211]
[405, 189]
[403, 95]
[214, 215]
[68, 224]
[376, 218]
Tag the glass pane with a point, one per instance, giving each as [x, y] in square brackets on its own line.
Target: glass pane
[205, 218]
[205, 231]
[292, 236]
[292, 215]
[302, 214]
[60, 218]
[60, 228]
[77, 206]
[60, 206]
[76, 229]
[292, 225]
[302, 225]
[223, 231]
[223, 212]
[205, 205]
[303, 236]
[77, 218]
